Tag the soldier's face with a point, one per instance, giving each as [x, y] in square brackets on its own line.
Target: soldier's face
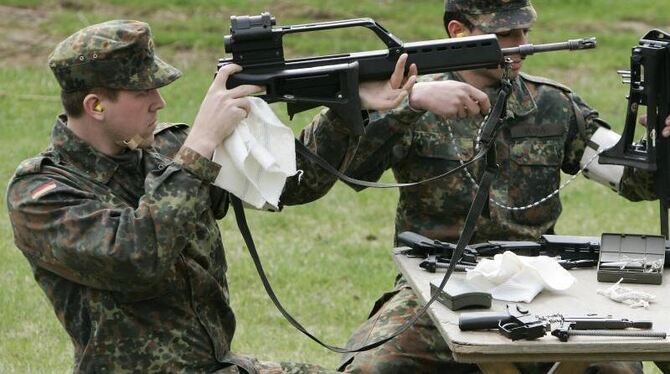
[133, 113]
[514, 38]
[507, 39]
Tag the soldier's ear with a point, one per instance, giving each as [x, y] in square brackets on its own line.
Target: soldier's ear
[456, 29]
[93, 106]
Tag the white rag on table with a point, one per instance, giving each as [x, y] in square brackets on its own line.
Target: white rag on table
[516, 278]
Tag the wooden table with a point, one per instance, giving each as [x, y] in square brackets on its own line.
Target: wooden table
[495, 353]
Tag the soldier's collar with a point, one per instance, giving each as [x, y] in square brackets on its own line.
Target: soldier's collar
[520, 102]
[77, 152]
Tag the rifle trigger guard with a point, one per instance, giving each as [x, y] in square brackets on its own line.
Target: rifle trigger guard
[518, 331]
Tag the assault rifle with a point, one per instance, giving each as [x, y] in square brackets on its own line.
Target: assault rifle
[649, 79]
[332, 80]
[518, 323]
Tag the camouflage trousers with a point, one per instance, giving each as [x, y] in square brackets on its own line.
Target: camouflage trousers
[265, 367]
[248, 365]
[421, 349]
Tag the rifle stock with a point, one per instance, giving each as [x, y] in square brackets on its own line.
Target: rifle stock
[332, 80]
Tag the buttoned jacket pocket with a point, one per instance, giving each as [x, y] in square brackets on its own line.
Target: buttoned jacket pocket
[535, 164]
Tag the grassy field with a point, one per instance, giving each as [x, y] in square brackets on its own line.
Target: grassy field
[328, 260]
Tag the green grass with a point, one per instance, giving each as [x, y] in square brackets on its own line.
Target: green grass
[328, 260]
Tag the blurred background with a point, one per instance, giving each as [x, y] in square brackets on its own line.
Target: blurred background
[328, 260]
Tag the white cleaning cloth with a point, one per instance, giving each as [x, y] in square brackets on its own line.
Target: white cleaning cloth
[519, 278]
[257, 158]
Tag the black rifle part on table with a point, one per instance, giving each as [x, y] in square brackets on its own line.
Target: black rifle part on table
[573, 251]
[518, 323]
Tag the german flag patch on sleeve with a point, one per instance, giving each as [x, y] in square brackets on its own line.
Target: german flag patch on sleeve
[42, 189]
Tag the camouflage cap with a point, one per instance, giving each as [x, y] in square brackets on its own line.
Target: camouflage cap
[116, 54]
[493, 16]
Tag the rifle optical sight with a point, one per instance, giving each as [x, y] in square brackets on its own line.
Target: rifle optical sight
[248, 28]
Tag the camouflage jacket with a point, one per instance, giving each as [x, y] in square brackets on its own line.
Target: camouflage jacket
[128, 251]
[546, 131]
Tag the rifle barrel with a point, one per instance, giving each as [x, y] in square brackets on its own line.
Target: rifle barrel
[571, 45]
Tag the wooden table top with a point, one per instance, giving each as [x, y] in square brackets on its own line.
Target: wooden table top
[581, 299]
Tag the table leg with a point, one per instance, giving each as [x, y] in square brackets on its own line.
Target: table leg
[569, 367]
[498, 368]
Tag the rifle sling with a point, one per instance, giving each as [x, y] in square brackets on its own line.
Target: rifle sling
[308, 154]
[488, 149]
[466, 235]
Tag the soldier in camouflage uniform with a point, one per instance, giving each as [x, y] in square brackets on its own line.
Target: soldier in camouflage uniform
[546, 131]
[117, 217]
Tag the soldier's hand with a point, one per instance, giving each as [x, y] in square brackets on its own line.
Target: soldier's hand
[220, 112]
[666, 130]
[384, 95]
[449, 99]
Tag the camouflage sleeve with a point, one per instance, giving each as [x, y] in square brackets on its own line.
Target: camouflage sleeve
[328, 137]
[386, 141]
[584, 121]
[366, 157]
[635, 184]
[168, 140]
[72, 233]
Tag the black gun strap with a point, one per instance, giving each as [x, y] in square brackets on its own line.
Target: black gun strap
[307, 153]
[246, 234]
[466, 235]
[488, 149]
[488, 133]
